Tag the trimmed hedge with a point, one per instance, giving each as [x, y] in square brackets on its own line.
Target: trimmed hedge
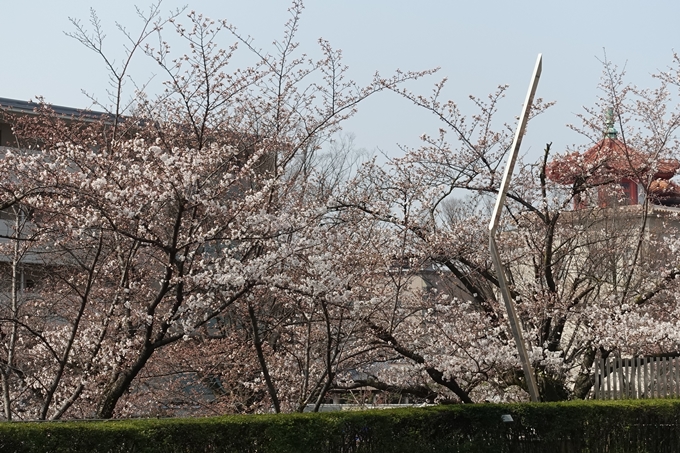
[584, 426]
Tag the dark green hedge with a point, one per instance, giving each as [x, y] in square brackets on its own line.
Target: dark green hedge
[620, 426]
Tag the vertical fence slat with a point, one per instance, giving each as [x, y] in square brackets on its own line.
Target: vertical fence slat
[655, 379]
[626, 378]
[609, 379]
[660, 377]
[666, 377]
[611, 373]
[677, 376]
[652, 362]
[623, 371]
[671, 377]
[596, 385]
[605, 386]
[641, 367]
[676, 367]
[664, 372]
[631, 378]
[650, 388]
[625, 381]
[644, 372]
[638, 369]
[653, 374]
[622, 386]
[615, 381]
[659, 382]
[619, 373]
[671, 373]
[603, 389]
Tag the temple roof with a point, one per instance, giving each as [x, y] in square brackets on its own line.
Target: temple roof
[609, 160]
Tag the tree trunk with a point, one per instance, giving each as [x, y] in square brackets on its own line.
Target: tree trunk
[585, 379]
[263, 361]
[120, 384]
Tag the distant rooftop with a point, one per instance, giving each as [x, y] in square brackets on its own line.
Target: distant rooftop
[28, 107]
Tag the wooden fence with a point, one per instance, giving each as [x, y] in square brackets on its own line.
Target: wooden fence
[639, 377]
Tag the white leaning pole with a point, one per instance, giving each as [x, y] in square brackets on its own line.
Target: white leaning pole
[495, 219]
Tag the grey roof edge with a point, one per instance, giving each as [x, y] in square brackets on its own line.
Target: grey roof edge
[28, 107]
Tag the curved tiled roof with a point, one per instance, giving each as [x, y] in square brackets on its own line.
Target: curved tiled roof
[608, 159]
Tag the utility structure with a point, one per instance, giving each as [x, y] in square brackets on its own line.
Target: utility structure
[493, 226]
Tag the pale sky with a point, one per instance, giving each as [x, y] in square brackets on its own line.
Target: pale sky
[477, 44]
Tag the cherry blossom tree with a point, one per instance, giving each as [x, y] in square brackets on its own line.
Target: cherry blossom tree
[173, 213]
[198, 252]
[588, 282]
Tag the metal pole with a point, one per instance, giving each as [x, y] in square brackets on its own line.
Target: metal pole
[493, 226]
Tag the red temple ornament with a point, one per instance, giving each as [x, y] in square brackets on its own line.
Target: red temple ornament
[619, 172]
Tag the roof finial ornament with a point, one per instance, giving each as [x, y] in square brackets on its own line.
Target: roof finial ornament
[610, 132]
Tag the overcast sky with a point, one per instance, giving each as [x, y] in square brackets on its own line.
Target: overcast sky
[478, 45]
